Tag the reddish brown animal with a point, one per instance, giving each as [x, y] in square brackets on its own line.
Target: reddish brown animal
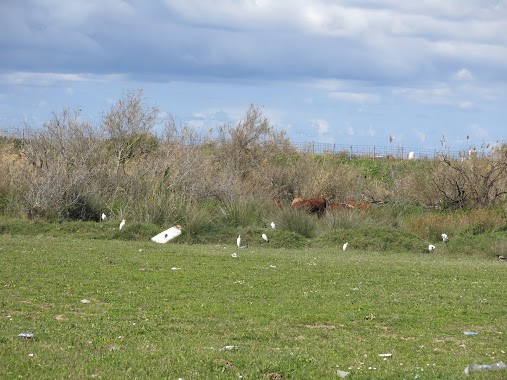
[339, 206]
[312, 205]
[359, 205]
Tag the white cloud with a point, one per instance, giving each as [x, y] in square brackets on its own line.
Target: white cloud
[50, 79]
[321, 125]
[421, 136]
[463, 75]
[350, 130]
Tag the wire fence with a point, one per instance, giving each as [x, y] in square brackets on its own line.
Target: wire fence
[375, 152]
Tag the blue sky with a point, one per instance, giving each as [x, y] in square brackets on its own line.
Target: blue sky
[343, 72]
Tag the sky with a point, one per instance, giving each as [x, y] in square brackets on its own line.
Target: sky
[428, 73]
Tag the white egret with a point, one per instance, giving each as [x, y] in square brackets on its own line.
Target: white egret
[411, 155]
[445, 238]
[273, 225]
[431, 248]
[122, 224]
[238, 241]
[345, 246]
[265, 237]
[103, 216]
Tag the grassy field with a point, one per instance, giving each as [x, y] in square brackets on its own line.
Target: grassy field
[194, 312]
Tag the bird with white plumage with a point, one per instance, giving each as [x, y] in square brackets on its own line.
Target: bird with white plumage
[265, 237]
[445, 238]
[122, 224]
[345, 246]
[273, 225]
[431, 248]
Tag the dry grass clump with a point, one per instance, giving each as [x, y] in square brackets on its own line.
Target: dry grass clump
[431, 225]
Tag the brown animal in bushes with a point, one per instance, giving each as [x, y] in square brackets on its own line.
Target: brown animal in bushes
[311, 205]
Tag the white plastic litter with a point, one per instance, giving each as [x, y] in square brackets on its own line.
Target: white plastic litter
[167, 235]
[484, 367]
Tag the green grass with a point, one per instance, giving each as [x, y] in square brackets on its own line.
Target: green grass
[292, 313]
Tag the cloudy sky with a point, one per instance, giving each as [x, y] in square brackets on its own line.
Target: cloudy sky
[343, 72]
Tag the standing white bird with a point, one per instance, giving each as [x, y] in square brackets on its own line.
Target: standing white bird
[265, 237]
[431, 248]
[345, 246]
[238, 241]
[273, 225]
[122, 224]
[445, 238]
[103, 216]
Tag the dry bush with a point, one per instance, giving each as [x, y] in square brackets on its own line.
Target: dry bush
[474, 182]
[60, 161]
[416, 187]
[127, 127]
[246, 149]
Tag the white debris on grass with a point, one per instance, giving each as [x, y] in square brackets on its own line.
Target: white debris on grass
[26, 335]
[84, 300]
[167, 235]
[228, 348]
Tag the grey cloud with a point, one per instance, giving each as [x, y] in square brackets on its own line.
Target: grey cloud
[368, 40]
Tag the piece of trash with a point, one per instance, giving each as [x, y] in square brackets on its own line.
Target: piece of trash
[234, 254]
[26, 335]
[385, 355]
[469, 333]
[30, 355]
[272, 266]
[342, 374]
[175, 268]
[229, 348]
[167, 235]
[244, 246]
[483, 367]
[84, 300]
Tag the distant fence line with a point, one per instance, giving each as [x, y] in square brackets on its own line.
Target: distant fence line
[348, 151]
[373, 151]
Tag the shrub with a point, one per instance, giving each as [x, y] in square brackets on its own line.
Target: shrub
[297, 221]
